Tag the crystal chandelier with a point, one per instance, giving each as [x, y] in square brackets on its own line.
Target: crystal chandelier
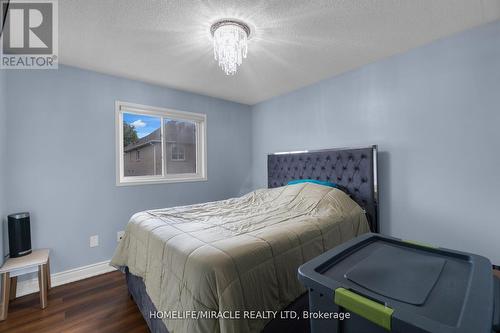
[230, 44]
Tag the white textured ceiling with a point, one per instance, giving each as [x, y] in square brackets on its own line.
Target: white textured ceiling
[294, 43]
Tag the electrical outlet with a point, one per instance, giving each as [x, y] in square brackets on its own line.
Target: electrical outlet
[94, 241]
[119, 235]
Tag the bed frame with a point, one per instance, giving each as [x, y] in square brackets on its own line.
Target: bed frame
[354, 169]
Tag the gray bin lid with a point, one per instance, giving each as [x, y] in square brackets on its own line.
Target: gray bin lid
[401, 275]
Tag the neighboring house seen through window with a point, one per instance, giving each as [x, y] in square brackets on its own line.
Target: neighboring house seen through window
[159, 145]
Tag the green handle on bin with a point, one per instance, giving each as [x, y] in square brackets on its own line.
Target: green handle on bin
[364, 307]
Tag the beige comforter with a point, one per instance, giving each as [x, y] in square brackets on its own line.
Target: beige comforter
[237, 254]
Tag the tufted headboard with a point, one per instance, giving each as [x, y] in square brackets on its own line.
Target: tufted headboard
[355, 169]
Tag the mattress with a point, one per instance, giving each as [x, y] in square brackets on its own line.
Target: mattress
[205, 265]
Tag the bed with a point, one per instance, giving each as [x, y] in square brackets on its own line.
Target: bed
[206, 266]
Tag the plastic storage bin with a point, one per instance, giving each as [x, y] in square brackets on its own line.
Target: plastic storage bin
[387, 284]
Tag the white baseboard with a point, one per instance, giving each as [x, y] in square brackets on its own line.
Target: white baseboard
[25, 287]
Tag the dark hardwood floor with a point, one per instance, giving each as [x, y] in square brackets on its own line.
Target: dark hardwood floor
[97, 304]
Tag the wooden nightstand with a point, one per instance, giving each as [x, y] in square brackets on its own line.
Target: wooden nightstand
[38, 260]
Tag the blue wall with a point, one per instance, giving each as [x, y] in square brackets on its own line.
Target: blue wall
[434, 112]
[61, 158]
[3, 149]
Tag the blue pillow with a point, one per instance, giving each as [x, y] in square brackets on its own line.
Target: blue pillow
[314, 181]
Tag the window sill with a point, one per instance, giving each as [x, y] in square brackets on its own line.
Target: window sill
[160, 181]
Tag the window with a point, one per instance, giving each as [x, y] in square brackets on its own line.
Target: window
[178, 152]
[157, 145]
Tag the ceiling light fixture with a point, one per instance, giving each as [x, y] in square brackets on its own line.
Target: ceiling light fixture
[230, 44]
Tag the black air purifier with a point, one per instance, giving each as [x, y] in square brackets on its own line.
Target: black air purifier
[19, 235]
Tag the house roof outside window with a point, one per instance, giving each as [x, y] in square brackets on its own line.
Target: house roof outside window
[176, 132]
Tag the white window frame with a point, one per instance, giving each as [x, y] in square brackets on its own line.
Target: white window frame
[201, 144]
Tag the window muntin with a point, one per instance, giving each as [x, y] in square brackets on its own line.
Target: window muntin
[178, 152]
[167, 145]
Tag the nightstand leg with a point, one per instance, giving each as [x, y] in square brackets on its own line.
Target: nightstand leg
[49, 282]
[42, 283]
[13, 287]
[5, 296]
